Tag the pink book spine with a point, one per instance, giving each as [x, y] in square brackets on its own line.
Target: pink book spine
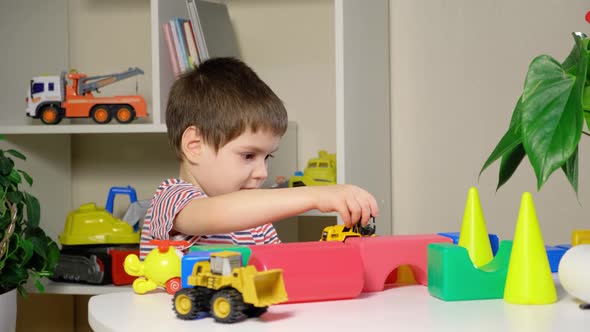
[171, 49]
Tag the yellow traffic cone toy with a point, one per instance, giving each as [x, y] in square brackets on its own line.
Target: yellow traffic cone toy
[474, 235]
[529, 279]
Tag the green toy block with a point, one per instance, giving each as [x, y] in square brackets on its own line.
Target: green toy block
[243, 250]
[453, 277]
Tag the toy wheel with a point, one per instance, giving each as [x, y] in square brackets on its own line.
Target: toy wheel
[173, 285]
[185, 304]
[227, 306]
[124, 114]
[252, 311]
[101, 114]
[50, 114]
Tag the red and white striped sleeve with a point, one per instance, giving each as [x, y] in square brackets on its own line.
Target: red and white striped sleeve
[166, 205]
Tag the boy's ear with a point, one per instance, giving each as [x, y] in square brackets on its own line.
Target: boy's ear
[191, 144]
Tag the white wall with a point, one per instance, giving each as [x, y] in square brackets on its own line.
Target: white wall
[457, 69]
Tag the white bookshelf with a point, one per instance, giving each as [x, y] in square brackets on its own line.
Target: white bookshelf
[83, 129]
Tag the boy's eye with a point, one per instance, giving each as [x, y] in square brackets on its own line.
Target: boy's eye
[269, 156]
[249, 156]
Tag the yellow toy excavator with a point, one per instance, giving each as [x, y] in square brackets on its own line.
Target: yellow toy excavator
[229, 291]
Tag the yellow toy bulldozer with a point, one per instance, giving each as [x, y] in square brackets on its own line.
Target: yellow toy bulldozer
[229, 291]
[341, 232]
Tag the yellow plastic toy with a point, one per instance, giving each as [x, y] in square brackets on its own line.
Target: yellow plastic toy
[320, 171]
[230, 291]
[529, 279]
[160, 268]
[474, 234]
[90, 224]
[341, 232]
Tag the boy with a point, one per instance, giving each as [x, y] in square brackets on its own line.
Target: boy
[224, 123]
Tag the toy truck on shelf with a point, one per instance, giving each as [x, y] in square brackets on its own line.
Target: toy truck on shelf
[229, 291]
[52, 98]
[320, 171]
[94, 244]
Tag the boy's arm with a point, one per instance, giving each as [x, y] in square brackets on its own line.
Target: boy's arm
[250, 208]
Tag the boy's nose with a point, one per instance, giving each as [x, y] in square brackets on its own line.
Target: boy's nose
[261, 171]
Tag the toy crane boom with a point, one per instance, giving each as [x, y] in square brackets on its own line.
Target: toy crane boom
[87, 84]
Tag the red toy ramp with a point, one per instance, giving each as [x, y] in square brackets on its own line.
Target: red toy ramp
[313, 271]
[383, 254]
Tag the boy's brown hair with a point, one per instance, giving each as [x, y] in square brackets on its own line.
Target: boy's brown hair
[222, 97]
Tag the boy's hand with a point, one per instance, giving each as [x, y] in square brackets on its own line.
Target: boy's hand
[354, 204]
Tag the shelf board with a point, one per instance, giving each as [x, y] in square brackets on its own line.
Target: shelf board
[83, 129]
[65, 288]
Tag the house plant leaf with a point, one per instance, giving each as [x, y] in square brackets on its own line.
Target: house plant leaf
[26, 252]
[509, 164]
[6, 165]
[551, 116]
[33, 210]
[547, 123]
[570, 168]
[511, 139]
[16, 154]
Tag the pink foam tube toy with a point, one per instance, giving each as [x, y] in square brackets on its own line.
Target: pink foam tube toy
[313, 271]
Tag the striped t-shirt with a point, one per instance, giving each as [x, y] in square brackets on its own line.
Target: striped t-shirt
[170, 198]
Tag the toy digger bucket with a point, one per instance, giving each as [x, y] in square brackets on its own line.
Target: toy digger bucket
[267, 288]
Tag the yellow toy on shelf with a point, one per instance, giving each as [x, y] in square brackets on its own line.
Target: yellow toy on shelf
[90, 224]
[320, 171]
[160, 268]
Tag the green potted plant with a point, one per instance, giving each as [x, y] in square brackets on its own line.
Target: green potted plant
[26, 252]
[548, 119]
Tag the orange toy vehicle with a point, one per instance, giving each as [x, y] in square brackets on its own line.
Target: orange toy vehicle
[52, 98]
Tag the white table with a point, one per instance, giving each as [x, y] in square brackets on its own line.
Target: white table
[408, 308]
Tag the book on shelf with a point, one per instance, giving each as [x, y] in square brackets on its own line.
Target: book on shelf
[172, 52]
[181, 45]
[213, 30]
[206, 34]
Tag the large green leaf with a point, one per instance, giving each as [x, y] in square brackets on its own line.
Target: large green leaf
[570, 168]
[27, 177]
[33, 210]
[510, 141]
[551, 116]
[509, 164]
[570, 64]
[14, 196]
[587, 118]
[27, 247]
[6, 165]
[52, 254]
[14, 177]
[16, 154]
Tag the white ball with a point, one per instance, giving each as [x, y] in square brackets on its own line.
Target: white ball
[574, 272]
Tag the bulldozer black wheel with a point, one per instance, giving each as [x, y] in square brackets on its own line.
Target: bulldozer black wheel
[252, 311]
[185, 304]
[203, 297]
[227, 306]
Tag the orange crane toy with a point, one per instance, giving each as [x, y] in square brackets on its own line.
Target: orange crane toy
[52, 98]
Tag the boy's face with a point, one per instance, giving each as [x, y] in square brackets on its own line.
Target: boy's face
[239, 165]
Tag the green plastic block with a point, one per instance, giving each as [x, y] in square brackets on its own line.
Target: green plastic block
[453, 277]
[243, 250]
